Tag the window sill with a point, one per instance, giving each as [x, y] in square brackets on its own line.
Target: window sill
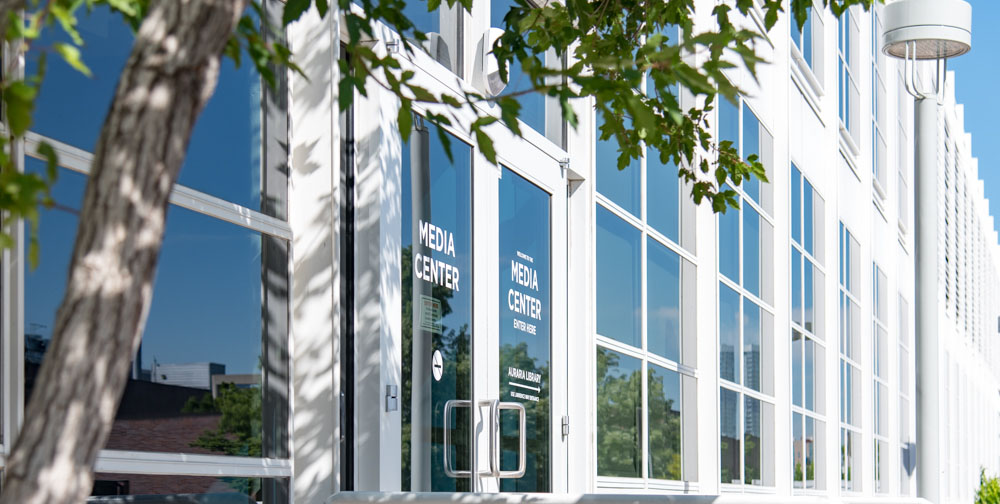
[801, 69]
[847, 143]
[879, 190]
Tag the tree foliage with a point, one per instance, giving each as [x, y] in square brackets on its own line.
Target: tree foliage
[989, 489]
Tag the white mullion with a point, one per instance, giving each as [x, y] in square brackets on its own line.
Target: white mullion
[617, 346]
[79, 161]
[671, 245]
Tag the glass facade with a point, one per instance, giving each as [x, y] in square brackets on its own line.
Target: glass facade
[746, 319]
[850, 357]
[211, 376]
[808, 337]
[644, 281]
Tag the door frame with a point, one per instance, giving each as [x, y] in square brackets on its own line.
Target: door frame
[378, 357]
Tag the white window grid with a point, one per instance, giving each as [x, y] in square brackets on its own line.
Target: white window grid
[880, 168]
[880, 375]
[847, 67]
[129, 461]
[905, 357]
[850, 367]
[646, 357]
[765, 307]
[817, 340]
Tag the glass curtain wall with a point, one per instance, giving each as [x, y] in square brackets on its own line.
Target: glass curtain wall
[746, 316]
[808, 343]
[880, 372]
[211, 375]
[645, 274]
[850, 358]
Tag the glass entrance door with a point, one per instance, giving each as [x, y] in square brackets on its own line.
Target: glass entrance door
[479, 316]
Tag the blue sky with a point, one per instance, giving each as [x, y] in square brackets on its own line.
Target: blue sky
[976, 82]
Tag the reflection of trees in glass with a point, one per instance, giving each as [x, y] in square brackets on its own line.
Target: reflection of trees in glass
[536, 476]
[239, 429]
[619, 413]
[455, 348]
[664, 425]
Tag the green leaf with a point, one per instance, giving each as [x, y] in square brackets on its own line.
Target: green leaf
[71, 54]
[51, 159]
[322, 6]
[486, 145]
[294, 10]
[404, 118]
[19, 98]
[67, 21]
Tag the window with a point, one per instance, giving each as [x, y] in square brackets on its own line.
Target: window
[645, 281]
[847, 74]
[532, 104]
[207, 382]
[850, 369]
[746, 319]
[880, 168]
[808, 347]
[807, 40]
[907, 455]
[443, 29]
[880, 365]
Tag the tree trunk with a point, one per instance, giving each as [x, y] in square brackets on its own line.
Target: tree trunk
[166, 82]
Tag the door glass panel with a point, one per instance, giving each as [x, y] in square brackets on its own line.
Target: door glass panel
[436, 285]
[525, 328]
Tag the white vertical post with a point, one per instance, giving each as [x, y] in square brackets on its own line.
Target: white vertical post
[926, 293]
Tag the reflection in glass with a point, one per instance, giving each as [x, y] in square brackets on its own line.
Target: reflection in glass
[664, 423]
[751, 345]
[729, 244]
[618, 281]
[808, 289]
[729, 333]
[224, 155]
[802, 37]
[796, 286]
[729, 123]
[807, 216]
[729, 441]
[436, 315]
[810, 372]
[525, 327]
[752, 451]
[662, 195]
[620, 186]
[663, 298]
[796, 368]
[751, 250]
[196, 380]
[532, 104]
[796, 204]
[109, 487]
[619, 414]
[751, 146]
[798, 451]
[811, 452]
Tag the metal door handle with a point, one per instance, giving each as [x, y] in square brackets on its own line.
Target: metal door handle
[448, 406]
[522, 440]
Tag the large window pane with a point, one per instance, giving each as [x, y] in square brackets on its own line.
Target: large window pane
[797, 346]
[751, 250]
[664, 394]
[797, 286]
[110, 488]
[807, 216]
[224, 155]
[811, 448]
[619, 414]
[620, 186]
[436, 309]
[663, 298]
[729, 244]
[729, 333]
[796, 205]
[751, 146]
[752, 449]
[751, 345]
[662, 195]
[808, 310]
[532, 103]
[196, 384]
[810, 374]
[729, 440]
[618, 280]
[798, 452]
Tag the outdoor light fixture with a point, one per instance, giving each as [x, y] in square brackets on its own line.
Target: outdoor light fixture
[927, 31]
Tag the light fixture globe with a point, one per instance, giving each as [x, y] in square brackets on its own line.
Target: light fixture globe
[933, 29]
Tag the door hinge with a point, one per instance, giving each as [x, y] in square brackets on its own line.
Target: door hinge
[564, 166]
[565, 425]
[391, 398]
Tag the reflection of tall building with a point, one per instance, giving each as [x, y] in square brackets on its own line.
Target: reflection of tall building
[727, 358]
[752, 417]
[194, 375]
[34, 348]
[751, 366]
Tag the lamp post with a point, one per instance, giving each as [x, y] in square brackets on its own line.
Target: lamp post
[929, 31]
